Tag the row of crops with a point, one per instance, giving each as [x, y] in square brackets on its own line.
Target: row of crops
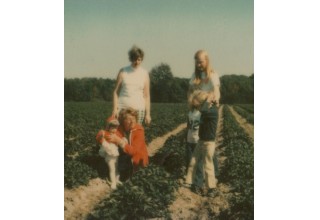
[238, 170]
[246, 111]
[150, 190]
[82, 122]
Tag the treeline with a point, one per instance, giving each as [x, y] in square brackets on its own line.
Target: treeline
[164, 87]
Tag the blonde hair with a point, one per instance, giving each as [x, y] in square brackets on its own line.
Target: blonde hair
[127, 111]
[200, 96]
[208, 68]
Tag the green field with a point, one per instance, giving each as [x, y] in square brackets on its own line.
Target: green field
[82, 121]
[150, 191]
[246, 111]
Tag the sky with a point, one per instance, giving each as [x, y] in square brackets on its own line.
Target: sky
[99, 33]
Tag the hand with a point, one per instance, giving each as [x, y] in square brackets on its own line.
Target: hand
[147, 120]
[115, 114]
[113, 139]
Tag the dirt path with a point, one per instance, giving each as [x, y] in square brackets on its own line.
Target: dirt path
[80, 201]
[189, 205]
[243, 122]
[158, 142]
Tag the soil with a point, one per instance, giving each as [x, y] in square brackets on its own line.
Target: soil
[158, 142]
[243, 123]
[80, 201]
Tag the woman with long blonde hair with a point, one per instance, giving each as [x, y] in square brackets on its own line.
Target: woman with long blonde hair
[204, 83]
[204, 77]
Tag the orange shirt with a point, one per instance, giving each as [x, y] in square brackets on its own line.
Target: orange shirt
[103, 134]
[136, 146]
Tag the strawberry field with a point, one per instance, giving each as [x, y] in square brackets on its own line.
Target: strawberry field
[150, 191]
[238, 169]
[246, 111]
[84, 119]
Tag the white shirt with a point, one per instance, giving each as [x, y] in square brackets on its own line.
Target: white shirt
[193, 126]
[132, 86]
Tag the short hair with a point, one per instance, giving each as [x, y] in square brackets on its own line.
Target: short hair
[134, 53]
[127, 111]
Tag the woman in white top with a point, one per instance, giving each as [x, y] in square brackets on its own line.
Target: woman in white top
[133, 88]
[205, 79]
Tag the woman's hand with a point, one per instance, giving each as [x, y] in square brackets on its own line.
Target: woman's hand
[114, 114]
[147, 119]
[113, 138]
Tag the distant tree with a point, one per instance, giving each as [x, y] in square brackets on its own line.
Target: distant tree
[161, 73]
[164, 87]
[237, 89]
[161, 79]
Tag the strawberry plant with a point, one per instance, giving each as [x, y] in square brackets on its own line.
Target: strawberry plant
[84, 119]
[245, 114]
[248, 107]
[238, 168]
[77, 173]
[150, 191]
[145, 195]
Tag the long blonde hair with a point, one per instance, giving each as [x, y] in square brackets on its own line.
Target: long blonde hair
[208, 69]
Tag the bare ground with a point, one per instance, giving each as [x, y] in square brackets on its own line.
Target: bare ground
[189, 205]
[158, 142]
[80, 201]
[249, 129]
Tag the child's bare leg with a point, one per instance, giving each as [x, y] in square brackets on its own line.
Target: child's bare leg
[117, 173]
[112, 173]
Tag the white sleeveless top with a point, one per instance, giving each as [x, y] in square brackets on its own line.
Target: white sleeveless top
[131, 91]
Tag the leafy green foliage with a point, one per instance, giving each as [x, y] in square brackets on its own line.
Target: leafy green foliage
[164, 87]
[237, 89]
[151, 190]
[84, 119]
[77, 173]
[165, 117]
[172, 156]
[145, 195]
[245, 114]
[238, 169]
[248, 107]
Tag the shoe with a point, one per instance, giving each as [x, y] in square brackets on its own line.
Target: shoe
[196, 189]
[213, 192]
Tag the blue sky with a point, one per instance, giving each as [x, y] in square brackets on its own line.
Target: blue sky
[99, 33]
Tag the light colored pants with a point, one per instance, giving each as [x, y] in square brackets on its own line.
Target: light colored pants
[203, 153]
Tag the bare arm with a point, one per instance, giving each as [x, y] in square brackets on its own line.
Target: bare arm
[116, 94]
[217, 94]
[214, 94]
[146, 92]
